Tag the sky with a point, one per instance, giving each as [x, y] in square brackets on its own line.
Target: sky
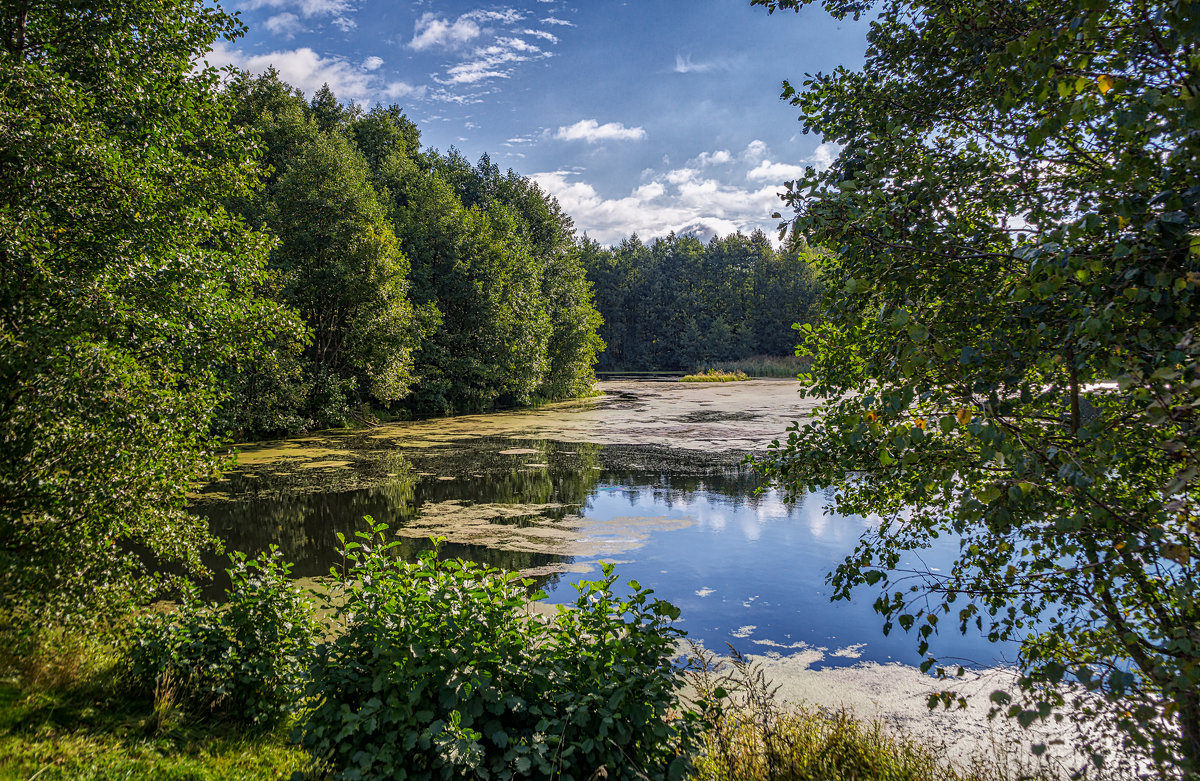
[643, 117]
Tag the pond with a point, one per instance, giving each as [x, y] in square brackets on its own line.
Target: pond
[648, 477]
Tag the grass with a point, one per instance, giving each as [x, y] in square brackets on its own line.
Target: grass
[767, 365]
[713, 375]
[65, 717]
[752, 736]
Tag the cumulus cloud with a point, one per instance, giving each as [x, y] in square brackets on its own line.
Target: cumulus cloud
[681, 200]
[431, 31]
[824, 155]
[756, 150]
[591, 131]
[561, 22]
[766, 171]
[305, 69]
[371, 63]
[705, 159]
[285, 24]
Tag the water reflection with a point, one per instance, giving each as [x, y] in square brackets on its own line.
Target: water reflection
[744, 565]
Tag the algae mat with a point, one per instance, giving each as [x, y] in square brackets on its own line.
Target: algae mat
[710, 417]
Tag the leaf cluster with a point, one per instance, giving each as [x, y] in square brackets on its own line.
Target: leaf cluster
[243, 660]
[440, 669]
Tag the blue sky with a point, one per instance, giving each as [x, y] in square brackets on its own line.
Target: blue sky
[644, 116]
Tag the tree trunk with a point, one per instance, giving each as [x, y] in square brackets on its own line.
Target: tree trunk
[1189, 724]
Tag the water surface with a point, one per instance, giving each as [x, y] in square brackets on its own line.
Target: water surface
[745, 566]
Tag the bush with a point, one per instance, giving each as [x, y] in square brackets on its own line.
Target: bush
[243, 660]
[441, 670]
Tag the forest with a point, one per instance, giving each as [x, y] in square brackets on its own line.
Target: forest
[425, 284]
[677, 304]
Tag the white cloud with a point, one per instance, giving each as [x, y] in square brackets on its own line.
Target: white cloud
[402, 89]
[684, 64]
[431, 31]
[371, 63]
[680, 200]
[545, 36]
[305, 69]
[705, 159]
[305, 7]
[483, 45]
[492, 62]
[766, 171]
[340, 10]
[756, 150]
[824, 155]
[285, 24]
[591, 131]
[561, 22]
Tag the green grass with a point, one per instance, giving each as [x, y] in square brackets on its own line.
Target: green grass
[64, 717]
[87, 736]
[755, 737]
[767, 365]
[713, 375]
[815, 745]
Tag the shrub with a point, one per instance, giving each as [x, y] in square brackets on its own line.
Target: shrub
[244, 659]
[441, 670]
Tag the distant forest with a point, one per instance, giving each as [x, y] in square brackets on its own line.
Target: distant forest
[679, 304]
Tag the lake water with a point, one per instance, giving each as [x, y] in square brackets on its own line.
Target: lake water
[745, 566]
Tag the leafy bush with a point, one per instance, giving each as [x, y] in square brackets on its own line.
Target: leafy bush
[244, 659]
[441, 670]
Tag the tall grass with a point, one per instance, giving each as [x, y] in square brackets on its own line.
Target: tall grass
[752, 736]
[713, 375]
[766, 365]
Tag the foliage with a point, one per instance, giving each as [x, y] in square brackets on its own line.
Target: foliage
[440, 669]
[242, 660]
[124, 286]
[677, 304]
[713, 375]
[1010, 355]
[424, 281]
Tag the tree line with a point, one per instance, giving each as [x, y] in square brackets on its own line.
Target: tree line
[425, 284]
[678, 304]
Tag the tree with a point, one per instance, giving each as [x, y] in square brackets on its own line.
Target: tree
[1010, 354]
[124, 287]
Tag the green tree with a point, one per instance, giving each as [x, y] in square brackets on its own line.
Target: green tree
[1010, 354]
[338, 264]
[124, 287]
